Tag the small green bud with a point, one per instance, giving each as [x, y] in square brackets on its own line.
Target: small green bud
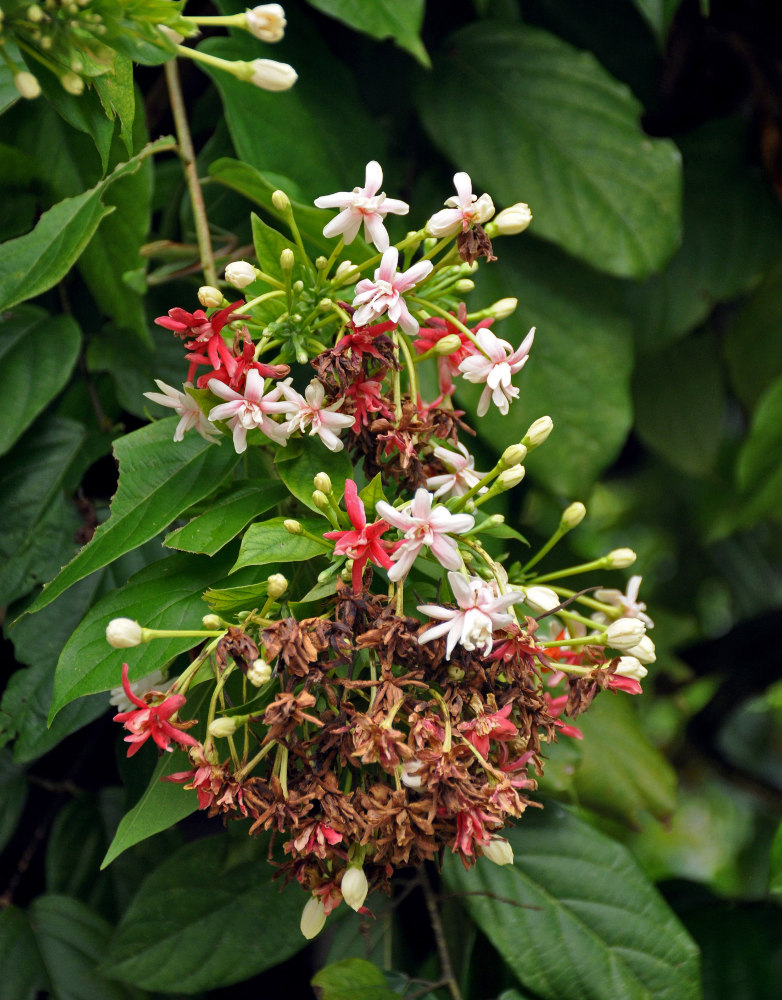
[325, 304]
[572, 516]
[287, 259]
[455, 673]
[323, 482]
[513, 455]
[448, 344]
[276, 585]
[292, 526]
[320, 499]
[503, 308]
[211, 621]
[464, 285]
[281, 201]
[620, 558]
[320, 263]
[72, 83]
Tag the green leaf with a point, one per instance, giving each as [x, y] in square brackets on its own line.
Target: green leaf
[352, 979]
[371, 493]
[269, 244]
[54, 950]
[118, 97]
[564, 130]
[752, 340]
[31, 264]
[180, 932]
[621, 774]
[166, 595]
[270, 542]
[226, 517]
[760, 462]
[13, 796]
[33, 373]
[229, 600]
[658, 14]
[592, 926]
[665, 385]
[159, 478]
[775, 875]
[303, 459]
[399, 20]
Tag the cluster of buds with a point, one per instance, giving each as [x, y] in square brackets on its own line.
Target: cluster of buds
[386, 727]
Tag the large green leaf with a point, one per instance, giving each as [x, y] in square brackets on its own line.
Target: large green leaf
[159, 479]
[180, 932]
[165, 595]
[760, 461]
[587, 924]
[31, 264]
[33, 373]
[752, 342]
[562, 135]
[303, 458]
[118, 97]
[399, 20]
[210, 531]
[271, 542]
[352, 979]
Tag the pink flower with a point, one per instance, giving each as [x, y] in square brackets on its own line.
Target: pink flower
[362, 205]
[439, 327]
[310, 411]
[484, 728]
[367, 398]
[628, 602]
[481, 612]
[362, 544]
[384, 294]
[463, 212]
[316, 838]
[421, 525]
[494, 368]
[556, 706]
[461, 475]
[243, 413]
[471, 830]
[153, 720]
[185, 407]
[210, 348]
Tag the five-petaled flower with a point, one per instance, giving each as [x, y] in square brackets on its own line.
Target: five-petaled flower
[362, 544]
[245, 412]
[152, 718]
[423, 525]
[463, 212]
[186, 408]
[460, 475]
[207, 346]
[628, 601]
[384, 294]
[362, 205]
[494, 367]
[309, 411]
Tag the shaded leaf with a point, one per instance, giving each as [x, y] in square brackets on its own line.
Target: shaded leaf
[752, 343]
[352, 979]
[303, 458]
[760, 462]
[399, 20]
[13, 796]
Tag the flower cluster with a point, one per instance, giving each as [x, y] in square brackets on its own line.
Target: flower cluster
[368, 727]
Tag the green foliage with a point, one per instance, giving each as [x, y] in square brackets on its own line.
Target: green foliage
[399, 20]
[210, 531]
[271, 542]
[352, 979]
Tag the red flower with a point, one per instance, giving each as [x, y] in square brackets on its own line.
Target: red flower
[629, 685]
[236, 379]
[210, 348]
[555, 708]
[483, 728]
[365, 397]
[361, 340]
[362, 544]
[471, 830]
[152, 720]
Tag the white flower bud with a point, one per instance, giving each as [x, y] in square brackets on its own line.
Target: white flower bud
[322, 482]
[503, 308]
[621, 558]
[411, 774]
[266, 22]
[222, 727]
[259, 673]
[240, 273]
[572, 516]
[122, 633]
[625, 633]
[292, 526]
[313, 918]
[541, 599]
[210, 297]
[173, 36]
[345, 274]
[281, 201]
[513, 455]
[287, 259]
[513, 220]
[320, 499]
[538, 432]
[354, 887]
[511, 477]
[211, 621]
[73, 83]
[34, 13]
[499, 851]
[464, 285]
[643, 650]
[27, 85]
[448, 344]
[276, 585]
[271, 75]
[631, 666]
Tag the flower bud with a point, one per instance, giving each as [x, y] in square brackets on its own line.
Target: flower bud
[240, 273]
[281, 201]
[222, 727]
[513, 220]
[346, 273]
[631, 666]
[271, 75]
[320, 499]
[455, 673]
[73, 83]
[266, 22]
[625, 633]
[313, 918]
[323, 482]
[210, 297]
[620, 558]
[538, 432]
[259, 673]
[448, 344]
[354, 887]
[464, 285]
[27, 85]
[499, 851]
[287, 259]
[325, 304]
[173, 36]
[572, 516]
[211, 621]
[294, 527]
[276, 585]
[513, 455]
[643, 650]
[541, 599]
[122, 633]
[511, 477]
[34, 13]
[411, 774]
[503, 308]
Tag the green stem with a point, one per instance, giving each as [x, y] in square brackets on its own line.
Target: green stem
[583, 568]
[411, 372]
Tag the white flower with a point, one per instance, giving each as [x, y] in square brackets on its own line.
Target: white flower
[422, 525]
[313, 918]
[139, 688]
[460, 477]
[185, 407]
[270, 75]
[463, 212]
[499, 851]
[624, 634]
[494, 368]
[122, 633]
[310, 411]
[259, 673]
[481, 612]
[362, 205]
[240, 273]
[384, 294]
[644, 650]
[354, 887]
[628, 601]
[266, 21]
[243, 413]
